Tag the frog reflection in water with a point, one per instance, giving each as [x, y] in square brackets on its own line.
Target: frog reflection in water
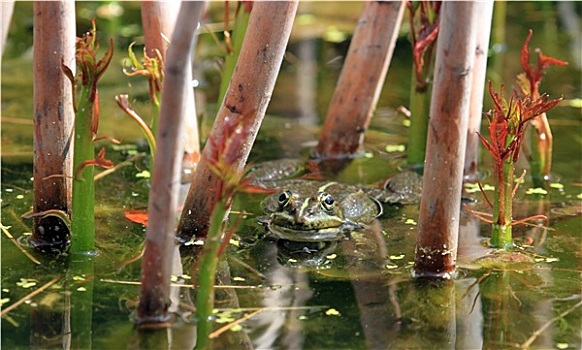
[315, 211]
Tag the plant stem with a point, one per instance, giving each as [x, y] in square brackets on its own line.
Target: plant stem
[541, 150]
[152, 310]
[83, 215]
[81, 289]
[501, 233]
[207, 276]
[361, 80]
[498, 39]
[240, 28]
[155, 122]
[248, 96]
[54, 44]
[438, 228]
[419, 110]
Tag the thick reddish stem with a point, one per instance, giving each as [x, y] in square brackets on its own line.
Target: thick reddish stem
[248, 95]
[54, 44]
[436, 246]
[361, 79]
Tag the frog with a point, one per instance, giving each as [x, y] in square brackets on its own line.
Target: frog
[307, 210]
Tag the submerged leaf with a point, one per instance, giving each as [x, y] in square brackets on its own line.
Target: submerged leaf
[137, 216]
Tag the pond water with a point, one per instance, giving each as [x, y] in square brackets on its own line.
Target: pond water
[357, 293]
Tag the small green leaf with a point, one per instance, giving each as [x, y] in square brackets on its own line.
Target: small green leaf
[410, 222]
[236, 328]
[334, 35]
[26, 282]
[395, 148]
[332, 312]
[144, 174]
[537, 190]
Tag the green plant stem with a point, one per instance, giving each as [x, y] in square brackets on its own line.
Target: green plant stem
[155, 121]
[537, 159]
[207, 276]
[419, 111]
[498, 38]
[238, 33]
[82, 212]
[501, 233]
[81, 288]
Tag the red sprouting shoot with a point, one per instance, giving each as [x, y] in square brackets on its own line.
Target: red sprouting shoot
[534, 75]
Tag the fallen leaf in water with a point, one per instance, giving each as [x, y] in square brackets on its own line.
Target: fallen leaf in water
[140, 217]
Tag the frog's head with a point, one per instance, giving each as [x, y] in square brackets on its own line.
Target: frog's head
[297, 216]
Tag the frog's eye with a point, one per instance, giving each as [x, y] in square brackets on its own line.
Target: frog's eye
[284, 198]
[326, 201]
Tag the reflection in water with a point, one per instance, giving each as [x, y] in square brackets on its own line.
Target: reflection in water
[281, 327]
[307, 82]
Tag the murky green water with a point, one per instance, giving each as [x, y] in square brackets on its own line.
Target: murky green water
[359, 293]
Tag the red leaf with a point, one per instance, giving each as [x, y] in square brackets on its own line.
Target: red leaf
[137, 216]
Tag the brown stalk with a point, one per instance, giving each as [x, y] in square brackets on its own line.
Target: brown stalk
[470, 170]
[436, 244]
[163, 199]
[361, 79]
[54, 42]
[249, 91]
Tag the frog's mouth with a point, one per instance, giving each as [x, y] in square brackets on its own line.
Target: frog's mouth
[312, 235]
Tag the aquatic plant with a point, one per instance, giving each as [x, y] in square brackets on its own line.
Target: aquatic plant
[90, 71]
[540, 158]
[159, 249]
[233, 41]
[424, 28]
[249, 93]
[152, 68]
[507, 124]
[507, 127]
[437, 240]
[360, 83]
[54, 42]
[221, 162]
[159, 20]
